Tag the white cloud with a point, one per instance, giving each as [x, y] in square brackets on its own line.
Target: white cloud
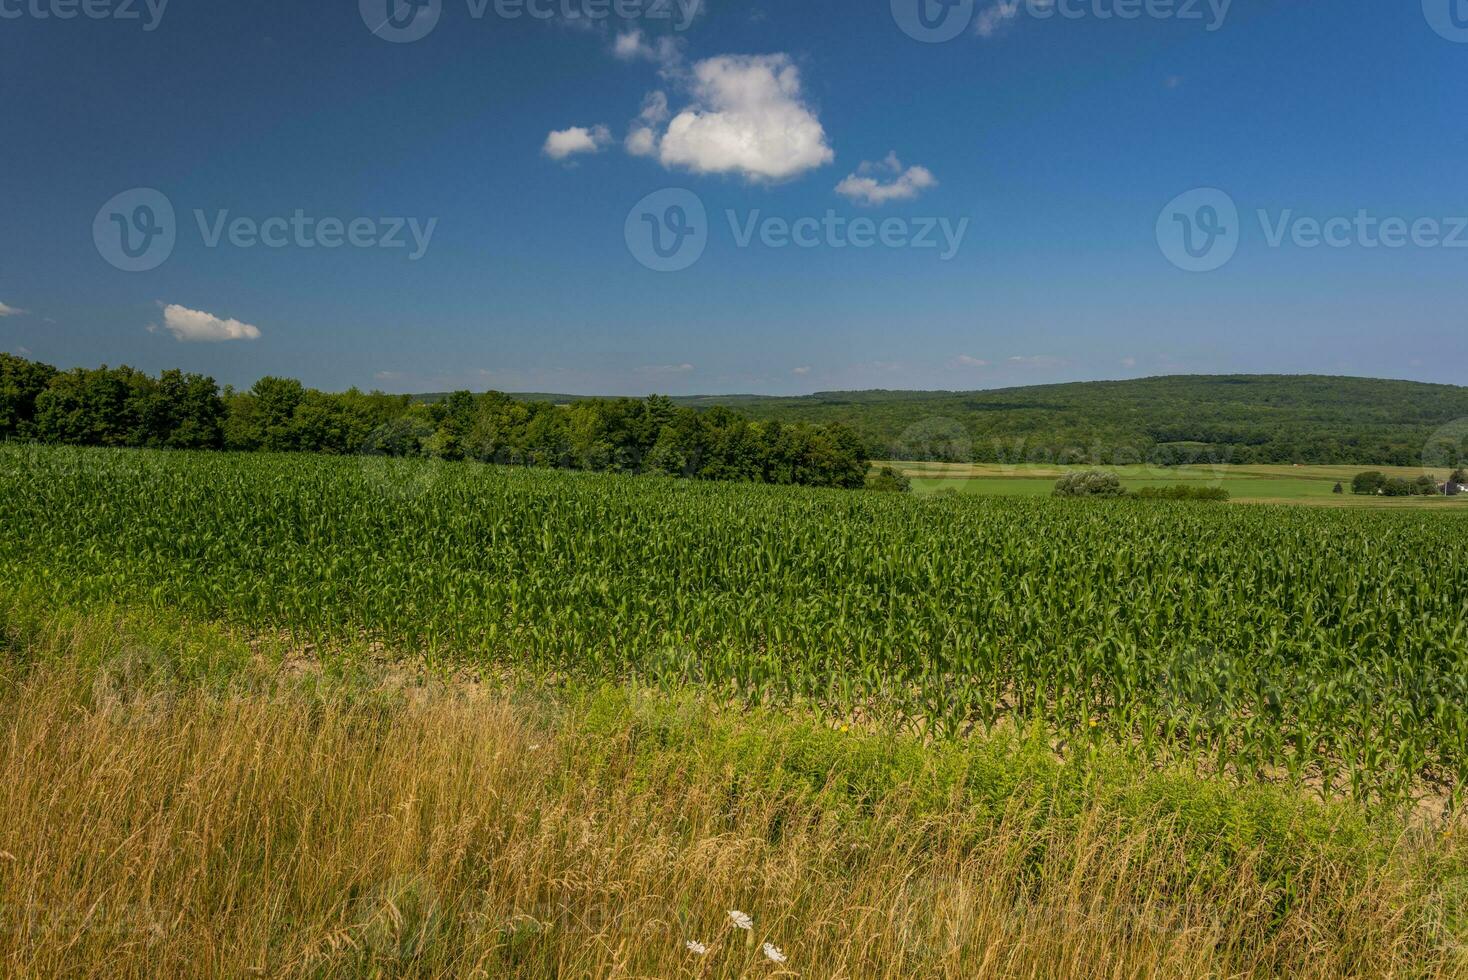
[747, 118]
[1129, 362]
[634, 46]
[904, 185]
[629, 45]
[992, 18]
[801, 371]
[665, 369]
[195, 325]
[1037, 361]
[9, 310]
[642, 139]
[966, 361]
[654, 108]
[563, 143]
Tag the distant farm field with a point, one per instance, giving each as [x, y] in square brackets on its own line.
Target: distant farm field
[1263, 484]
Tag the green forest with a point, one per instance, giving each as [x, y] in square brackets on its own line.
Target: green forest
[1217, 418]
[123, 407]
[818, 440]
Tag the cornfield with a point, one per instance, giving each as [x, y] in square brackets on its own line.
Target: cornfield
[1326, 647]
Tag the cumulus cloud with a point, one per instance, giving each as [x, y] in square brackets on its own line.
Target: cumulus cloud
[965, 360]
[665, 369]
[629, 46]
[9, 310]
[1129, 362]
[562, 143]
[748, 118]
[196, 325]
[801, 371]
[634, 46]
[642, 141]
[642, 138]
[867, 185]
[994, 17]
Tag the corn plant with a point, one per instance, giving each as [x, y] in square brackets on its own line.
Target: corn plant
[1309, 643]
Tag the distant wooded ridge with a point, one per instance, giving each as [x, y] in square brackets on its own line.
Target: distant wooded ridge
[1173, 419]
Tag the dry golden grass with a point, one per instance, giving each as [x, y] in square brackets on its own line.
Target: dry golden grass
[312, 827]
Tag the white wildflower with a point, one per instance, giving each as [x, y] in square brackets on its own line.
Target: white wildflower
[740, 920]
[696, 948]
[773, 954]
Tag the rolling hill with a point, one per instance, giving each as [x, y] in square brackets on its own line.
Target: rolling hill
[1226, 418]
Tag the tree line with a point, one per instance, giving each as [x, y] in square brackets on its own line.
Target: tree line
[1101, 483]
[1259, 419]
[1376, 483]
[176, 410]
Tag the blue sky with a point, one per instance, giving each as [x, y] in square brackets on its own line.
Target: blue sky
[1057, 144]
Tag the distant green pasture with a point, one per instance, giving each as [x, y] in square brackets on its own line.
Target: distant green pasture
[1246, 484]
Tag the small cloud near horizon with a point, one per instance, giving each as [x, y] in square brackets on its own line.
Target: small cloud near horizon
[196, 326]
[1037, 361]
